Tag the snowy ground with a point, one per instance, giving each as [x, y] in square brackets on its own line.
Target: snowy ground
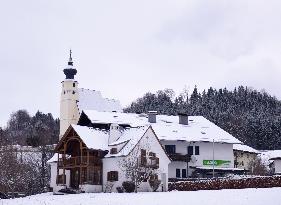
[225, 197]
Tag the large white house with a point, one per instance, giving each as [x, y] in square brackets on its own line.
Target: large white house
[97, 139]
[192, 142]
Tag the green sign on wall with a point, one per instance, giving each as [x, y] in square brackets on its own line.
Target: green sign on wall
[216, 162]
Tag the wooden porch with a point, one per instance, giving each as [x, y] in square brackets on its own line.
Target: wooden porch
[84, 164]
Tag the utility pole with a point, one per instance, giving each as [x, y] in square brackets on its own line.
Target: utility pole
[213, 158]
[187, 162]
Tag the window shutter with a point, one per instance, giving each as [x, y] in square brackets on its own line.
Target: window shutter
[157, 161]
[116, 176]
[143, 160]
[143, 152]
[108, 176]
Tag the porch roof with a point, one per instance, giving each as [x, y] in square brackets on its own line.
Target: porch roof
[93, 138]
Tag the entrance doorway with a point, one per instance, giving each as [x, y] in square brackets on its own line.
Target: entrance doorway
[74, 178]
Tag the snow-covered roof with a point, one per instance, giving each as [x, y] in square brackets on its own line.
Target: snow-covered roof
[53, 159]
[98, 139]
[93, 138]
[168, 127]
[245, 148]
[270, 154]
[130, 137]
[93, 100]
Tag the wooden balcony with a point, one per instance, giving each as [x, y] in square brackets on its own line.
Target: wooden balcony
[79, 161]
[179, 157]
[151, 162]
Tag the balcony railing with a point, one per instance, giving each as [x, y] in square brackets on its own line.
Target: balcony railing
[151, 162]
[79, 160]
[179, 157]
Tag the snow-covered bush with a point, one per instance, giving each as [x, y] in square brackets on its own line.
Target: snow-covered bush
[154, 184]
[128, 186]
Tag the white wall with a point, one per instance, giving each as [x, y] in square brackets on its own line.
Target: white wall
[53, 183]
[277, 166]
[244, 159]
[113, 164]
[222, 152]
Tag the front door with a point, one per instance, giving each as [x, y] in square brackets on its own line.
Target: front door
[75, 178]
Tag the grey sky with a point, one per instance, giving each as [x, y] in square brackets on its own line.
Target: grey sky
[127, 48]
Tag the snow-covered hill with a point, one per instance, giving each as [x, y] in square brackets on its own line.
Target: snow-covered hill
[230, 197]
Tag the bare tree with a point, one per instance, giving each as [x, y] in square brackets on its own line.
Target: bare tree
[140, 165]
[256, 167]
[20, 170]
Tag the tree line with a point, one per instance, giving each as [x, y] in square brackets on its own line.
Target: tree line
[254, 117]
[26, 144]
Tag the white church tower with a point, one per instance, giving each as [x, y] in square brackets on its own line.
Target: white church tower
[69, 113]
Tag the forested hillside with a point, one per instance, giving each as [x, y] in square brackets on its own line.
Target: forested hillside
[251, 116]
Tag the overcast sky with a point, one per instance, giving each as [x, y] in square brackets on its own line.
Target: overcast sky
[127, 48]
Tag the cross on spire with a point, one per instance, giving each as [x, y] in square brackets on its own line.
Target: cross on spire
[70, 62]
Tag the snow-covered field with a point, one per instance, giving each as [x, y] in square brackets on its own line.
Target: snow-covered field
[225, 197]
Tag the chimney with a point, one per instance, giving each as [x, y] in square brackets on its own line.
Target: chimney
[115, 133]
[152, 116]
[183, 118]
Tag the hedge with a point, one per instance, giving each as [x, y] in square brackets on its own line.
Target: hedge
[215, 184]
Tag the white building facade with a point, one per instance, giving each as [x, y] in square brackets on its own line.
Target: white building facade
[244, 157]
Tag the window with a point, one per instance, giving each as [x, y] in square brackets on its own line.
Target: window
[183, 173]
[190, 150]
[178, 173]
[113, 150]
[143, 161]
[73, 84]
[170, 149]
[197, 150]
[112, 176]
[152, 154]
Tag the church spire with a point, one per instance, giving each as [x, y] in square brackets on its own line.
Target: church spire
[70, 62]
[70, 72]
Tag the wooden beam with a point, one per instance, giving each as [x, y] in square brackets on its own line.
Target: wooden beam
[63, 162]
[81, 153]
[57, 169]
[88, 163]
